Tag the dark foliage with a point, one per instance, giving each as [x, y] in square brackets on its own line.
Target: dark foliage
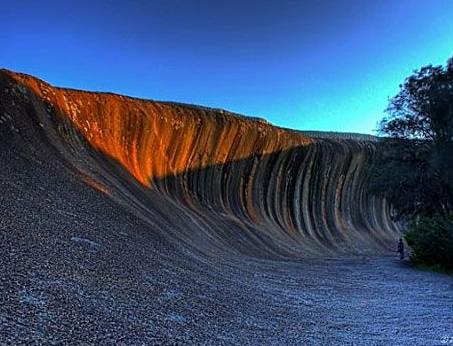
[415, 169]
[431, 240]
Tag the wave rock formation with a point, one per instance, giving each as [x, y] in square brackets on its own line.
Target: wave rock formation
[206, 178]
[132, 222]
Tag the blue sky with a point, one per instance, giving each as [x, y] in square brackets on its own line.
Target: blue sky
[311, 65]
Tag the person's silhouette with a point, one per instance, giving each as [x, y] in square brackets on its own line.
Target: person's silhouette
[401, 248]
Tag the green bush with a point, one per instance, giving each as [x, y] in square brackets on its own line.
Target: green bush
[431, 240]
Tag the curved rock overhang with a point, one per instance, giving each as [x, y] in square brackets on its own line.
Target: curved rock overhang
[212, 179]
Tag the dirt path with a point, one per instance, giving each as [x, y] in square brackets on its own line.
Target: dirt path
[354, 301]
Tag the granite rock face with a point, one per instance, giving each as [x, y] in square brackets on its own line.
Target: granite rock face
[213, 180]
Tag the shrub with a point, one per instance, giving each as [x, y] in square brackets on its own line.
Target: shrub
[431, 240]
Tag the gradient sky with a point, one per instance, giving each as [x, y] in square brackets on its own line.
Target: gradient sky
[313, 65]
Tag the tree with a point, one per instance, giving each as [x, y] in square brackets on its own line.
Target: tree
[415, 169]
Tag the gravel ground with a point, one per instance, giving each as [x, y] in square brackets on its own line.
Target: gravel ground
[77, 269]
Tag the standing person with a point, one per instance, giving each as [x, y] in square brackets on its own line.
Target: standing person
[401, 248]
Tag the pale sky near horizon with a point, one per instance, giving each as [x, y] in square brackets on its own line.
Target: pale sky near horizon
[308, 65]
